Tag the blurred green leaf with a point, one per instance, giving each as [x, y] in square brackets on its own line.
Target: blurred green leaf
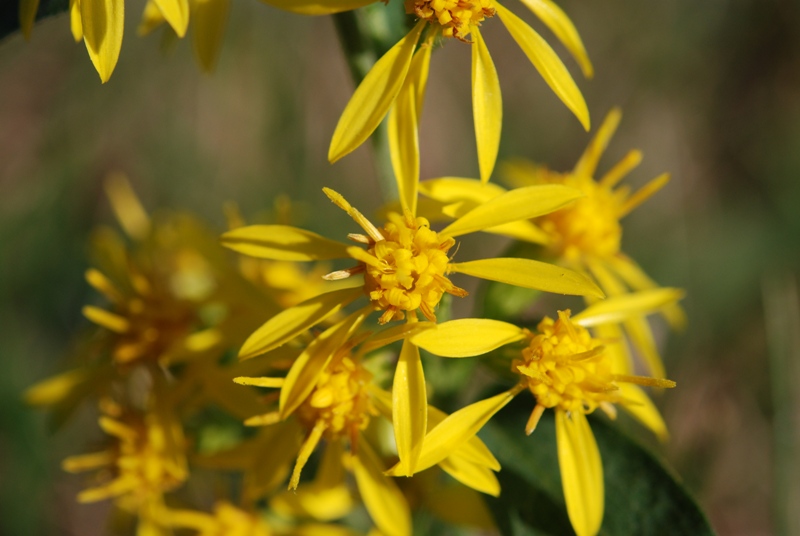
[9, 13]
[641, 496]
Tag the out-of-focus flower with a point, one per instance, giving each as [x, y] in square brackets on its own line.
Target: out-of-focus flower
[566, 369]
[145, 459]
[405, 266]
[398, 80]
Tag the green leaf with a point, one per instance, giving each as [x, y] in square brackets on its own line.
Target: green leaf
[9, 13]
[642, 497]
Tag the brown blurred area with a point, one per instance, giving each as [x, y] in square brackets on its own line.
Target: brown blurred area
[710, 92]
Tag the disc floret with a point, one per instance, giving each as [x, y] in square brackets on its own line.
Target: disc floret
[456, 18]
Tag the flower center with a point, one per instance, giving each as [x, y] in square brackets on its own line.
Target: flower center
[589, 226]
[564, 367]
[455, 17]
[409, 269]
[339, 401]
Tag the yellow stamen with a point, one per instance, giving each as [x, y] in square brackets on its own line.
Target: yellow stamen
[454, 18]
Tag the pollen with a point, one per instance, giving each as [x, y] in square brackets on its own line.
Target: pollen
[340, 402]
[406, 270]
[590, 226]
[456, 18]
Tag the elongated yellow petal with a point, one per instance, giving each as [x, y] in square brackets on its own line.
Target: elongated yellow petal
[103, 22]
[87, 462]
[302, 377]
[27, 16]
[129, 211]
[581, 472]
[275, 383]
[404, 126]
[618, 308]
[75, 25]
[529, 274]
[318, 7]
[643, 194]
[283, 243]
[289, 323]
[385, 503]
[467, 337]
[473, 449]
[117, 429]
[53, 390]
[176, 13]
[106, 319]
[518, 204]
[452, 189]
[587, 164]
[209, 18]
[308, 447]
[374, 96]
[558, 22]
[409, 407]
[643, 409]
[547, 63]
[393, 334]
[456, 429]
[470, 474]
[487, 105]
[521, 230]
[641, 336]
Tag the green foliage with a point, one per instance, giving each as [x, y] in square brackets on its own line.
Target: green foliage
[641, 496]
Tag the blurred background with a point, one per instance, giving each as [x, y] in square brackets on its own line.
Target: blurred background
[710, 92]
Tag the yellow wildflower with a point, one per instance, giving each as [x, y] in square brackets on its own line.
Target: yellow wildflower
[396, 84]
[566, 369]
[145, 460]
[405, 267]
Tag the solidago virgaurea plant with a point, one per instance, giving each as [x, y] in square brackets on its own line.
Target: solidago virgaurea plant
[269, 380]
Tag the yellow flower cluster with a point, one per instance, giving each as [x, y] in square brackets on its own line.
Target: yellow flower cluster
[180, 307]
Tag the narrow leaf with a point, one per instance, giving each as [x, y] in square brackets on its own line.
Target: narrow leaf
[467, 337]
[529, 274]
[547, 63]
[283, 243]
[487, 105]
[374, 96]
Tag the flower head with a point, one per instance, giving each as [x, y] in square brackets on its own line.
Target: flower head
[454, 18]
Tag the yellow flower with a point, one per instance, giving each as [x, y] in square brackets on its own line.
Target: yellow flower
[585, 236]
[566, 369]
[227, 520]
[406, 268]
[331, 395]
[145, 460]
[396, 84]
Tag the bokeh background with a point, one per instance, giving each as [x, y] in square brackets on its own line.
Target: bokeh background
[710, 92]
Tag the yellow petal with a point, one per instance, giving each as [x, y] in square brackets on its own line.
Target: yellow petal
[643, 409]
[129, 211]
[374, 96]
[558, 22]
[529, 274]
[302, 377]
[487, 105]
[643, 194]
[471, 474]
[581, 472]
[618, 308]
[27, 16]
[393, 334]
[547, 63]
[306, 450]
[289, 323]
[467, 337]
[452, 189]
[521, 230]
[87, 462]
[283, 243]
[318, 7]
[641, 336]
[518, 204]
[75, 25]
[53, 390]
[103, 22]
[385, 503]
[409, 407]
[456, 429]
[176, 13]
[106, 319]
[209, 18]
[403, 129]
[275, 383]
[473, 450]
[587, 164]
